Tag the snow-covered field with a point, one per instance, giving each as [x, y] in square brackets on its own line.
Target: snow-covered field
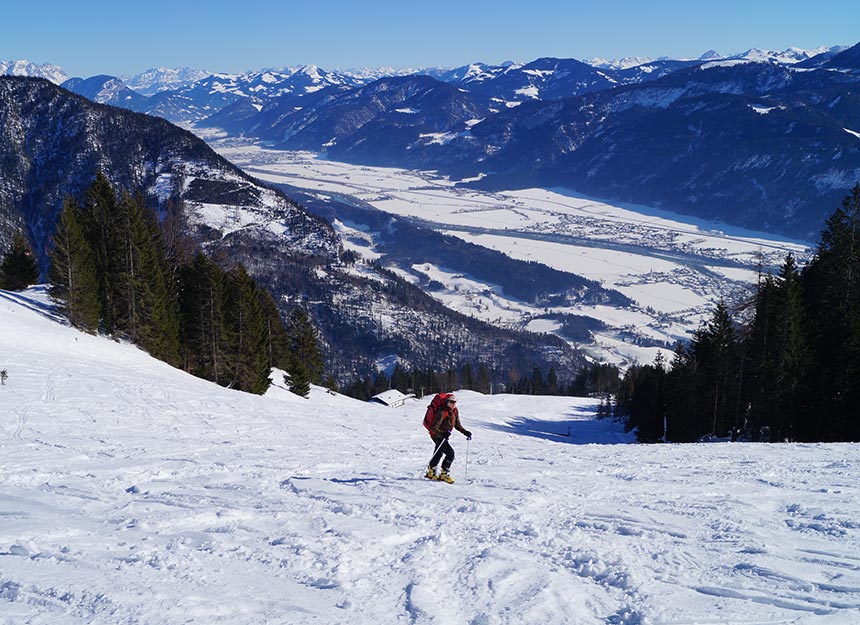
[131, 493]
[675, 268]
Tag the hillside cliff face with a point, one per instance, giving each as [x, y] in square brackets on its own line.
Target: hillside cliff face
[55, 142]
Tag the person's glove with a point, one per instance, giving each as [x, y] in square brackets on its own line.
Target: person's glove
[468, 435]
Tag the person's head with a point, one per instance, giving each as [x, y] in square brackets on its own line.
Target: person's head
[451, 401]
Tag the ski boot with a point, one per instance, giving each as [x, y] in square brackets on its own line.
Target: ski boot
[444, 476]
[431, 474]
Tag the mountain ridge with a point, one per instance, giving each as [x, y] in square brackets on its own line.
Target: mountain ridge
[632, 142]
[306, 108]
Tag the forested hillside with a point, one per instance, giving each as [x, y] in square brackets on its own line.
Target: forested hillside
[784, 367]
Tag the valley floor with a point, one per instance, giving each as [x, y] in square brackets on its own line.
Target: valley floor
[674, 268]
[131, 493]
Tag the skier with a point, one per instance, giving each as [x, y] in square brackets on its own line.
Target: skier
[445, 419]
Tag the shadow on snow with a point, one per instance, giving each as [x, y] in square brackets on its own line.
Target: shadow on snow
[576, 431]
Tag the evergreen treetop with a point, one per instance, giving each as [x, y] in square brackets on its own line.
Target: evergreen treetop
[18, 268]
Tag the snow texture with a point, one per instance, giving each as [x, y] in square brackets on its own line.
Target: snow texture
[133, 493]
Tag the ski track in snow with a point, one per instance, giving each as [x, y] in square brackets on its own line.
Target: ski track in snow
[132, 493]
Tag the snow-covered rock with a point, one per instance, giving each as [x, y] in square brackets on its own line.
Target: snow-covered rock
[54, 73]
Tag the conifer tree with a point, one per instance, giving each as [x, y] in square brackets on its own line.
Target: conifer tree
[794, 372]
[682, 396]
[484, 378]
[18, 268]
[641, 399]
[145, 308]
[537, 385]
[246, 328]
[552, 381]
[202, 319]
[164, 285]
[134, 301]
[450, 379]
[792, 362]
[831, 284]
[277, 339]
[714, 349]
[400, 379]
[179, 247]
[73, 276]
[305, 351]
[468, 378]
[157, 284]
[102, 226]
[762, 355]
[298, 380]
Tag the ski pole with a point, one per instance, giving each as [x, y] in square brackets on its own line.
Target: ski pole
[438, 447]
[466, 474]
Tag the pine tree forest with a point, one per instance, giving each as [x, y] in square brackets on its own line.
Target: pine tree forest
[791, 372]
[116, 270]
[596, 380]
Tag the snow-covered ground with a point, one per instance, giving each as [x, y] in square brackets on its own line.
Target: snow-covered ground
[675, 268]
[132, 493]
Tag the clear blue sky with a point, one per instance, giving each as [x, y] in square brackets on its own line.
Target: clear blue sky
[122, 37]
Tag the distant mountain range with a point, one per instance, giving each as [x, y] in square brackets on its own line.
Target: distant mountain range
[762, 139]
[50, 72]
[760, 144]
[158, 79]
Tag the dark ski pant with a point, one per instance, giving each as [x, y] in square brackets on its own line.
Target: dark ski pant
[443, 449]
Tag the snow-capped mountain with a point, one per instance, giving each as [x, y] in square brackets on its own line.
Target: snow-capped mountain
[187, 96]
[789, 56]
[158, 79]
[759, 144]
[212, 93]
[54, 73]
[369, 74]
[472, 74]
[382, 116]
[135, 151]
[652, 70]
[619, 64]
[107, 90]
[273, 83]
[541, 79]
[848, 59]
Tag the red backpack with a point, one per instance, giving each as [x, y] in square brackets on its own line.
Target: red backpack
[433, 408]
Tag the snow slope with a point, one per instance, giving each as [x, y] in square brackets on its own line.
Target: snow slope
[132, 493]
